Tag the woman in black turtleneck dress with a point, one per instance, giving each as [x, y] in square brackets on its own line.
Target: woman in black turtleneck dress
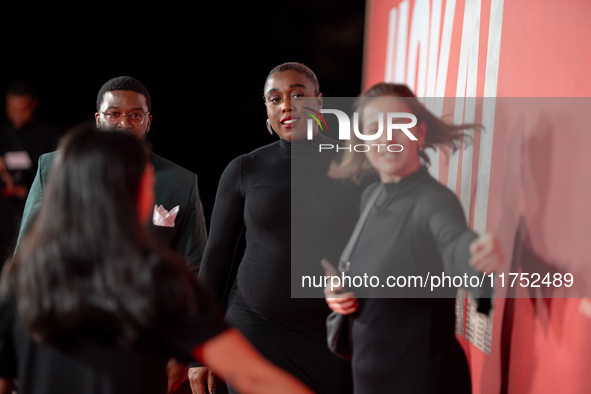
[403, 339]
[255, 196]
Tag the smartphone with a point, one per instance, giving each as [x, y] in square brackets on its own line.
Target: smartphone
[331, 270]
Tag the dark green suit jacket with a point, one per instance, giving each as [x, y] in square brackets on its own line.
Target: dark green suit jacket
[174, 186]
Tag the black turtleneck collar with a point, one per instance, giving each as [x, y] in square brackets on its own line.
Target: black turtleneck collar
[305, 146]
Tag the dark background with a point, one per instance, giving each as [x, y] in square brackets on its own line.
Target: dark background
[204, 66]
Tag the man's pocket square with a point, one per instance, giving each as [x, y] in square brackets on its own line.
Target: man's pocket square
[164, 218]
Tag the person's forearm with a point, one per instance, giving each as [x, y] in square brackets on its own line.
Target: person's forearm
[234, 359]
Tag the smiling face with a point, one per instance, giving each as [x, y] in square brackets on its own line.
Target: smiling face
[286, 93]
[391, 166]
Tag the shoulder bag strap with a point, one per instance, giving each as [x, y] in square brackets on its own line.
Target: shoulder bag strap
[344, 263]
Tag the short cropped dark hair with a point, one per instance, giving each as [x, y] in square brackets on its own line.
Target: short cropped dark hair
[123, 83]
[295, 66]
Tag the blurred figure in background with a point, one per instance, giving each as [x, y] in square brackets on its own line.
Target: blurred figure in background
[23, 138]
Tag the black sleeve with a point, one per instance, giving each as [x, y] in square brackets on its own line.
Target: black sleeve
[227, 223]
[447, 224]
[191, 330]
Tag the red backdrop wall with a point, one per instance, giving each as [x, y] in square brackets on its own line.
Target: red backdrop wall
[526, 178]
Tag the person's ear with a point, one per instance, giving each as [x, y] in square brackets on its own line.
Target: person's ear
[421, 133]
[149, 120]
[320, 100]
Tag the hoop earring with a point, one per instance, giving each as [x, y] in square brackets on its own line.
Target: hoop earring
[269, 129]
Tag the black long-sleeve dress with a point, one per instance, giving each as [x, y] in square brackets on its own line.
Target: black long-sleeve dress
[402, 342]
[257, 194]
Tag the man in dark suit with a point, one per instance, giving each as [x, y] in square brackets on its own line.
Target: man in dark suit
[123, 103]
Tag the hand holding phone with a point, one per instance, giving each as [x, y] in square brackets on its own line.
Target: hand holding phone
[331, 271]
[339, 299]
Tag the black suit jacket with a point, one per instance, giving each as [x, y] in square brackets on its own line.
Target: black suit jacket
[174, 186]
